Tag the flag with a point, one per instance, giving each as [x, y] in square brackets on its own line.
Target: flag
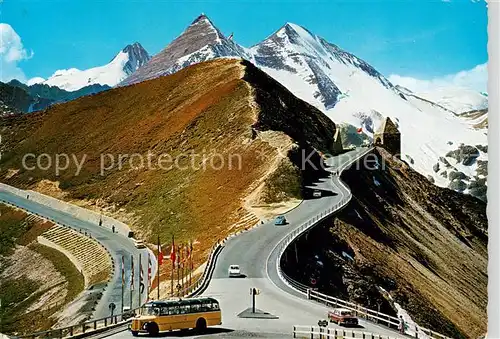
[191, 255]
[160, 253]
[123, 270]
[172, 252]
[183, 255]
[132, 273]
[178, 256]
[149, 270]
[360, 130]
[141, 278]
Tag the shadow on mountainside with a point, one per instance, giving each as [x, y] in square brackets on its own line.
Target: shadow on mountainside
[400, 235]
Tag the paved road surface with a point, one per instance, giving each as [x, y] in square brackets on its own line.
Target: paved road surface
[255, 252]
[117, 244]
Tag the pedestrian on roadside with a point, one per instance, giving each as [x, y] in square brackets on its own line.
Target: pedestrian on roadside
[113, 228]
[401, 325]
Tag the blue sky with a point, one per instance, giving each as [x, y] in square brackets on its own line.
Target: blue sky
[421, 39]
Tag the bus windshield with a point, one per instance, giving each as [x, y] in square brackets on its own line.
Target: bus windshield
[150, 310]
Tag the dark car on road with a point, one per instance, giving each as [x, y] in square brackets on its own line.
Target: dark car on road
[280, 220]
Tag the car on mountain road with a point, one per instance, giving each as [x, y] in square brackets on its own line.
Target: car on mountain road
[342, 316]
[139, 244]
[234, 271]
[280, 220]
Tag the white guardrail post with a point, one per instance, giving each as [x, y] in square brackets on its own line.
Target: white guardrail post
[314, 295]
[304, 331]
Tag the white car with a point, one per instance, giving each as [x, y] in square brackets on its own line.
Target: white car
[234, 271]
[317, 194]
[139, 243]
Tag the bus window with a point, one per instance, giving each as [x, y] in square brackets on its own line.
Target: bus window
[145, 310]
[172, 310]
[149, 310]
[184, 309]
[206, 307]
[195, 308]
[164, 310]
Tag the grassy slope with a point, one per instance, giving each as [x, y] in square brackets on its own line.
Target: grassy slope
[65, 267]
[213, 107]
[425, 244]
[18, 294]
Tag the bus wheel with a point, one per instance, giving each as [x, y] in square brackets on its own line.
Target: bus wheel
[201, 325]
[135, 333]
[153, 329]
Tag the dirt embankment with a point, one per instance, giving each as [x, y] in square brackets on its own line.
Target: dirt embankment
[426, 245]
[36, 282]
[182, 154]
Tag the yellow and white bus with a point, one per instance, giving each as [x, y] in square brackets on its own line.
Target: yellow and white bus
[182, 314]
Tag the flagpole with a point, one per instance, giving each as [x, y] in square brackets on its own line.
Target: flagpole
[183, 267]
[172, 258]
[149, 277]
[178, 267]
[186, 265]
[131, 280]
[158, 269]
[140, 280]
[146, 285]
[190, 261]
[123, 280]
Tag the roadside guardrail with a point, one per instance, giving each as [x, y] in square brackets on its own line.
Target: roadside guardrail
[371, 315]
[325, 332]
[311, 294]
[86, 328]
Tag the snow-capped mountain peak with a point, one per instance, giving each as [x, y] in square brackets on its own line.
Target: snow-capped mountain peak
[127, 61]
[203, 23]
[199, 42]
[311, 67]
[137, 57]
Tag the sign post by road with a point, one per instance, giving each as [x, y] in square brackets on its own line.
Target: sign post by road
[112, 307]
[253, 293]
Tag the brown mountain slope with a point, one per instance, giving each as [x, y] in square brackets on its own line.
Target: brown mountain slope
[238, 122]
[426, 245]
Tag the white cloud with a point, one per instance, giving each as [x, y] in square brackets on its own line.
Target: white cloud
[475, 79]
[12, 52]
[35, 80]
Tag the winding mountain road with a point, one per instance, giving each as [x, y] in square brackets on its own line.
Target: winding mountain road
[257, 251]
[117, 244]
